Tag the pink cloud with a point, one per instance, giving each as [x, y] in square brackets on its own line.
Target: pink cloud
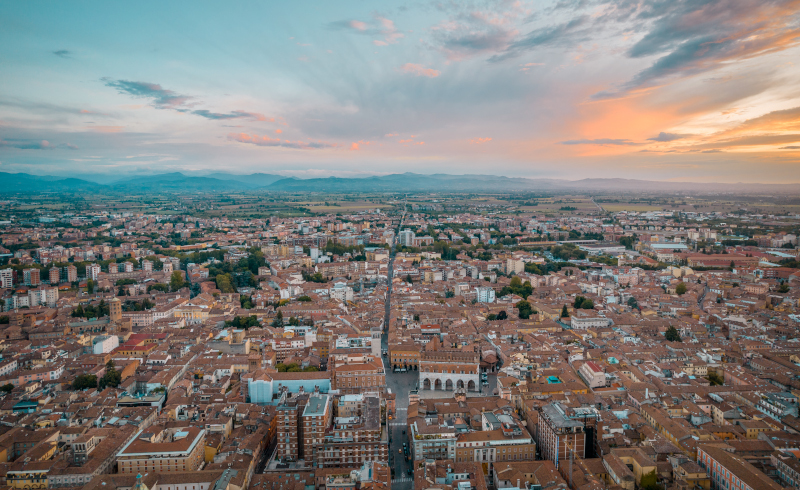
[479, 141]
[419, 70]
[277, 142]
[278, 131]
[358, 25]
[357, 144]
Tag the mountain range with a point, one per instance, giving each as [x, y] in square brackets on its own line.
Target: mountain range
[408, 182]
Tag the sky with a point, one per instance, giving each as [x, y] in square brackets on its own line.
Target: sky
[698, 90]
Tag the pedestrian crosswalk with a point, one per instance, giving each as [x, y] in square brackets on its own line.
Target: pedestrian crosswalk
[401, 480]
[397, 424]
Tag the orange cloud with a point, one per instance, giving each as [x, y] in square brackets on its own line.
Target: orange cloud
[278, 131]
[479, 141]
[419, 70]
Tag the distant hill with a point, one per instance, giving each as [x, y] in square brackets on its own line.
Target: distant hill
[407, 182]
[22, 182]
[177, 182]
[254, 180]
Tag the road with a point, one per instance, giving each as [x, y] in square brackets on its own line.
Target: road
[400, 384]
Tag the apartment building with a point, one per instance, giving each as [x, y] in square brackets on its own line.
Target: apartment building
[355, 439]
[316, 418]
[158, 449]
[729, 471]
[562, 430]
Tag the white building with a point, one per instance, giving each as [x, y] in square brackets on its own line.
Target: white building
[581, 321]
[92, 272]
[103, 344]
[6, 278]
[593, 375]
[406, 238]
[341, 291]
[485, 294]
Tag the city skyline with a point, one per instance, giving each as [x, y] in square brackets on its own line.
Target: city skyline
[694, 91]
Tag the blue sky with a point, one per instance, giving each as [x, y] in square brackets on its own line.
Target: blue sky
[667, 90]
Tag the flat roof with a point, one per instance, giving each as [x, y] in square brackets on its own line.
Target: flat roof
[316, 405]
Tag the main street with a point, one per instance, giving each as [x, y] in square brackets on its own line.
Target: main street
[399, 384]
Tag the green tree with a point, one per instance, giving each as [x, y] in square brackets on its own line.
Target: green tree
[783, 288]
[680, 289]
[278, 321]
[8, 388]
[304, 299]
[84, 381]
[564, 312]
[293, 321]
[649, 481]
[672, 334]
[502, 315]
[715, 379]
[158, 287]
[176, 281]
[112, 378]
[89, 286]
[633, 303]
[524, 309]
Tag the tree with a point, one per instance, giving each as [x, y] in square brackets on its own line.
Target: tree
[783, 288]
[525, 309]
[633, 303]
[715, 379]
[649, 481]
[158, 287]
[293, 321]
[680, 289]
[84, 381]
[491, 317]
[408, 279]
[672, 334]
[564, 312]
[502, 315]
[304, 299]
[176, 281]
[278, 321]
[112, 378]
[89, 286]
[8, 388]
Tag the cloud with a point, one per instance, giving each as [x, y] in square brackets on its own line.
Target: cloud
[159, 97]
[693, 37]
[470, 33]
[528, 66]
[789, 148]
[230, 115]
[479, 141]
[566, 33]
[277, 142]
[665, 137]
[25, 144]
[601, 141]
[377, 27]
[419, 70]
[63, 53]
[162, 98]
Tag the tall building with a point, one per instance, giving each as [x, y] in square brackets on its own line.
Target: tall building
[406, 238]
[92, 271]
[287, 412]
[316, 419]
[562, 430]
[72, 273]
[55, 275]
[485, 294]
[31, 277]
[6, 278]
[115, 309]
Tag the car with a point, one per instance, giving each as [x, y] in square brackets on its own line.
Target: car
[404, 432]
[410, 471]
[400, 451]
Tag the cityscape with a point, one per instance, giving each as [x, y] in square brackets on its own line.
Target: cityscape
[479, 245]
